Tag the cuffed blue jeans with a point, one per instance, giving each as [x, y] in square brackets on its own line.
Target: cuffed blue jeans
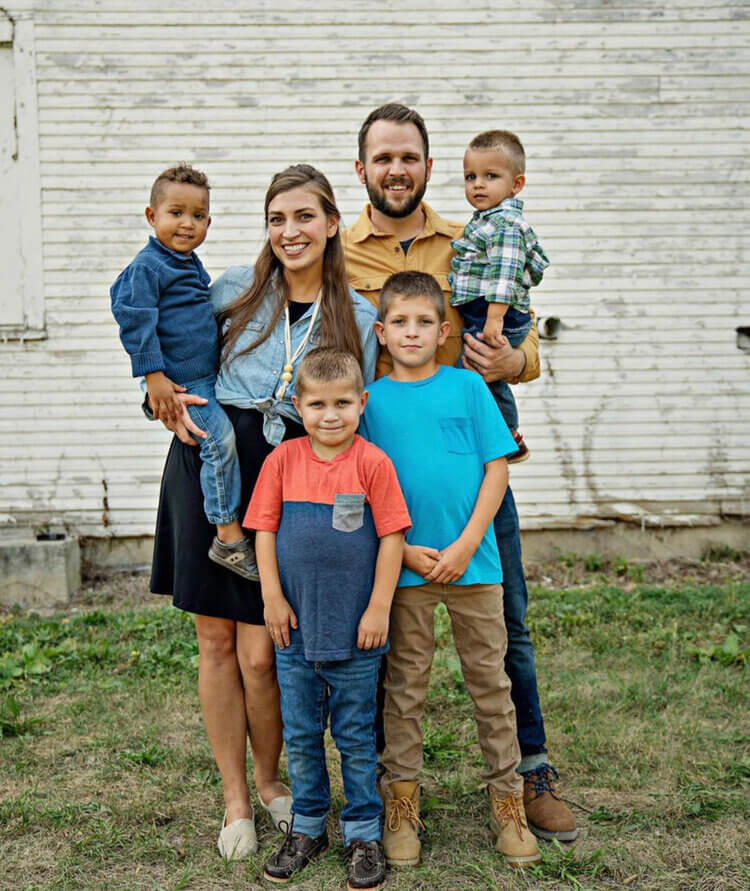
[220, 469]
[310, 691]
[519, 657]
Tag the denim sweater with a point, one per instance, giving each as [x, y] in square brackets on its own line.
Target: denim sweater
[162, 305]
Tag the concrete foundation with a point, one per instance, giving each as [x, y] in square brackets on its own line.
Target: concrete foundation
[39, 574]
[631, 542]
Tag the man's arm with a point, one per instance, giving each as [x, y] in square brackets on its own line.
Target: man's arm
[373, 626]
[456, 557]
[276, 610]
[504, 363]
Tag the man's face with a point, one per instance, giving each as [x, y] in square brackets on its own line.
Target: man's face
[395, 171]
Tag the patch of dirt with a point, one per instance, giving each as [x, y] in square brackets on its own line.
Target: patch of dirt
[131, 588]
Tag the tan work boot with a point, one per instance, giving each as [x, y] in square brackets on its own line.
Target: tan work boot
[549, 817]
[514, 839]
[400, 841]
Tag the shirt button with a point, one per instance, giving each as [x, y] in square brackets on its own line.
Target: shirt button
[396, 250]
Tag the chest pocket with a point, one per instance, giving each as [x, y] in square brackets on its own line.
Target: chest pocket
[348, 512]
[458, 435]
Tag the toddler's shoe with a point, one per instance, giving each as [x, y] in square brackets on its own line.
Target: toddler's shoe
[366, 865]
[400, 839]
[549, 817]
[514, 839]
[238, 558]
[295, 853]
[522, 453]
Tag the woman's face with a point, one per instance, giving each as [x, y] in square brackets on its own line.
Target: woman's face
[298, 229]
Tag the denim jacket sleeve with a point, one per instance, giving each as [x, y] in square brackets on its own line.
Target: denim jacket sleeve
[365, 315]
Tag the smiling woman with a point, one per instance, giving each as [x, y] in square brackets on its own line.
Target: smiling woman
[270, 315]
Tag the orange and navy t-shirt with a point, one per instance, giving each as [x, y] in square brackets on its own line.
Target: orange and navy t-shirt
[328, 517]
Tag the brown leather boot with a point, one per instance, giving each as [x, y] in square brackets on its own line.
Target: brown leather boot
[549, 817]
[400, 840]
[508, 821]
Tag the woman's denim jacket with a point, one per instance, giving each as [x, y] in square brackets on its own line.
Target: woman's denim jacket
[251, 381]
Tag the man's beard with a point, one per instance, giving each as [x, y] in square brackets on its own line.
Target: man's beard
[380, 202]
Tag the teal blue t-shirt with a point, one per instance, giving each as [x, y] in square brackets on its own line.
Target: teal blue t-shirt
[439, 433]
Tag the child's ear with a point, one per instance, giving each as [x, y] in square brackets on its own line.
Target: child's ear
[295, 403]
[150, 216]
[518, 183]
[445, 330]
[363, 400]
[380, 332]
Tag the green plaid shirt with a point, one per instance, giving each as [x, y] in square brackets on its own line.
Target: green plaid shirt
[498, 258]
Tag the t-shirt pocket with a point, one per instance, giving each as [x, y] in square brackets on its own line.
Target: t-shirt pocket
[458, 435]
[348, 512]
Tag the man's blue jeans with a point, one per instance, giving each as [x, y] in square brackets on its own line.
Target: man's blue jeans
[310, 691]
[220, 470]
[519, 657]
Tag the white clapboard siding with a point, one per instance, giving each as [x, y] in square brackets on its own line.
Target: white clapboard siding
[634, 116]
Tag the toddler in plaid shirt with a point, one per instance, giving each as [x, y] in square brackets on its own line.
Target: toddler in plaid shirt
[498, 257]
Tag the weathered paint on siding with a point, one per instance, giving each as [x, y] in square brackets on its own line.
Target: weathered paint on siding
[634, 117]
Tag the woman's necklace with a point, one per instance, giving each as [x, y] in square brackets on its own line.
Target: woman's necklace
[286, 376]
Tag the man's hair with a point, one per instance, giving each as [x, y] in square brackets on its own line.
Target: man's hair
[411, 285]
[325, 365]
[399, 114]
[183, 173]
[502, 141]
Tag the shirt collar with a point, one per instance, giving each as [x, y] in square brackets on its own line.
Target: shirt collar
[154, 241]
[433, 223]
[505, 204]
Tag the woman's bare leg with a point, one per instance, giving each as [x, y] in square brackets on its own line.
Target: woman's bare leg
[256, 659]
[223, 704]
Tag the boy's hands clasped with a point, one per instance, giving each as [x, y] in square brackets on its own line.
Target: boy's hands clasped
[443, 566]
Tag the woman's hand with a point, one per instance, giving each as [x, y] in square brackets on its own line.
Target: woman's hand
[184, 425]
[495, 363]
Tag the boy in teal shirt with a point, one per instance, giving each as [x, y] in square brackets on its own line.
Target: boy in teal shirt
[447, 440]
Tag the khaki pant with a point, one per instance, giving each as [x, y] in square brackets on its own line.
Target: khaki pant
[476, 613]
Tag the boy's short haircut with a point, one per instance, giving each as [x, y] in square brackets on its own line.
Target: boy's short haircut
[327, 364]
[502, 141]
[183, 173]
[410, 285]
[397, 114]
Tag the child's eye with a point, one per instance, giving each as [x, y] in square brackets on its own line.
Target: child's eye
[491, 176]
[469, 177]
[175, 213]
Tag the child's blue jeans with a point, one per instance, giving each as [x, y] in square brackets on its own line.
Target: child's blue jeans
[310, 691]
[516, 325]
[220, 471]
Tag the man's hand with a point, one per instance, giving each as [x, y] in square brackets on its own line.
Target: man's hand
[420, 559]
[162, 397]
[373, 628]
[278, 616]
[452, 562]
[495, 363]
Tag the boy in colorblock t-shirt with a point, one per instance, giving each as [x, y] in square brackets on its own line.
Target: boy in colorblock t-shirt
[330, 521]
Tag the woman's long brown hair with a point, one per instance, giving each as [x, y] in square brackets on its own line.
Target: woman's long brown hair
[337, 324]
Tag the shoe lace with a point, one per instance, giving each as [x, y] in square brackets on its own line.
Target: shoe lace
[508, 808]
[402, 809]
[541, 779]
[289, 845]
[359, 851]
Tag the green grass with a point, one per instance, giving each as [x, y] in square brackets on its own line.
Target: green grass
[107, 780]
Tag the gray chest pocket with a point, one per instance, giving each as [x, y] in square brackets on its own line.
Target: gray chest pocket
[348, 512]
[458, 435]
